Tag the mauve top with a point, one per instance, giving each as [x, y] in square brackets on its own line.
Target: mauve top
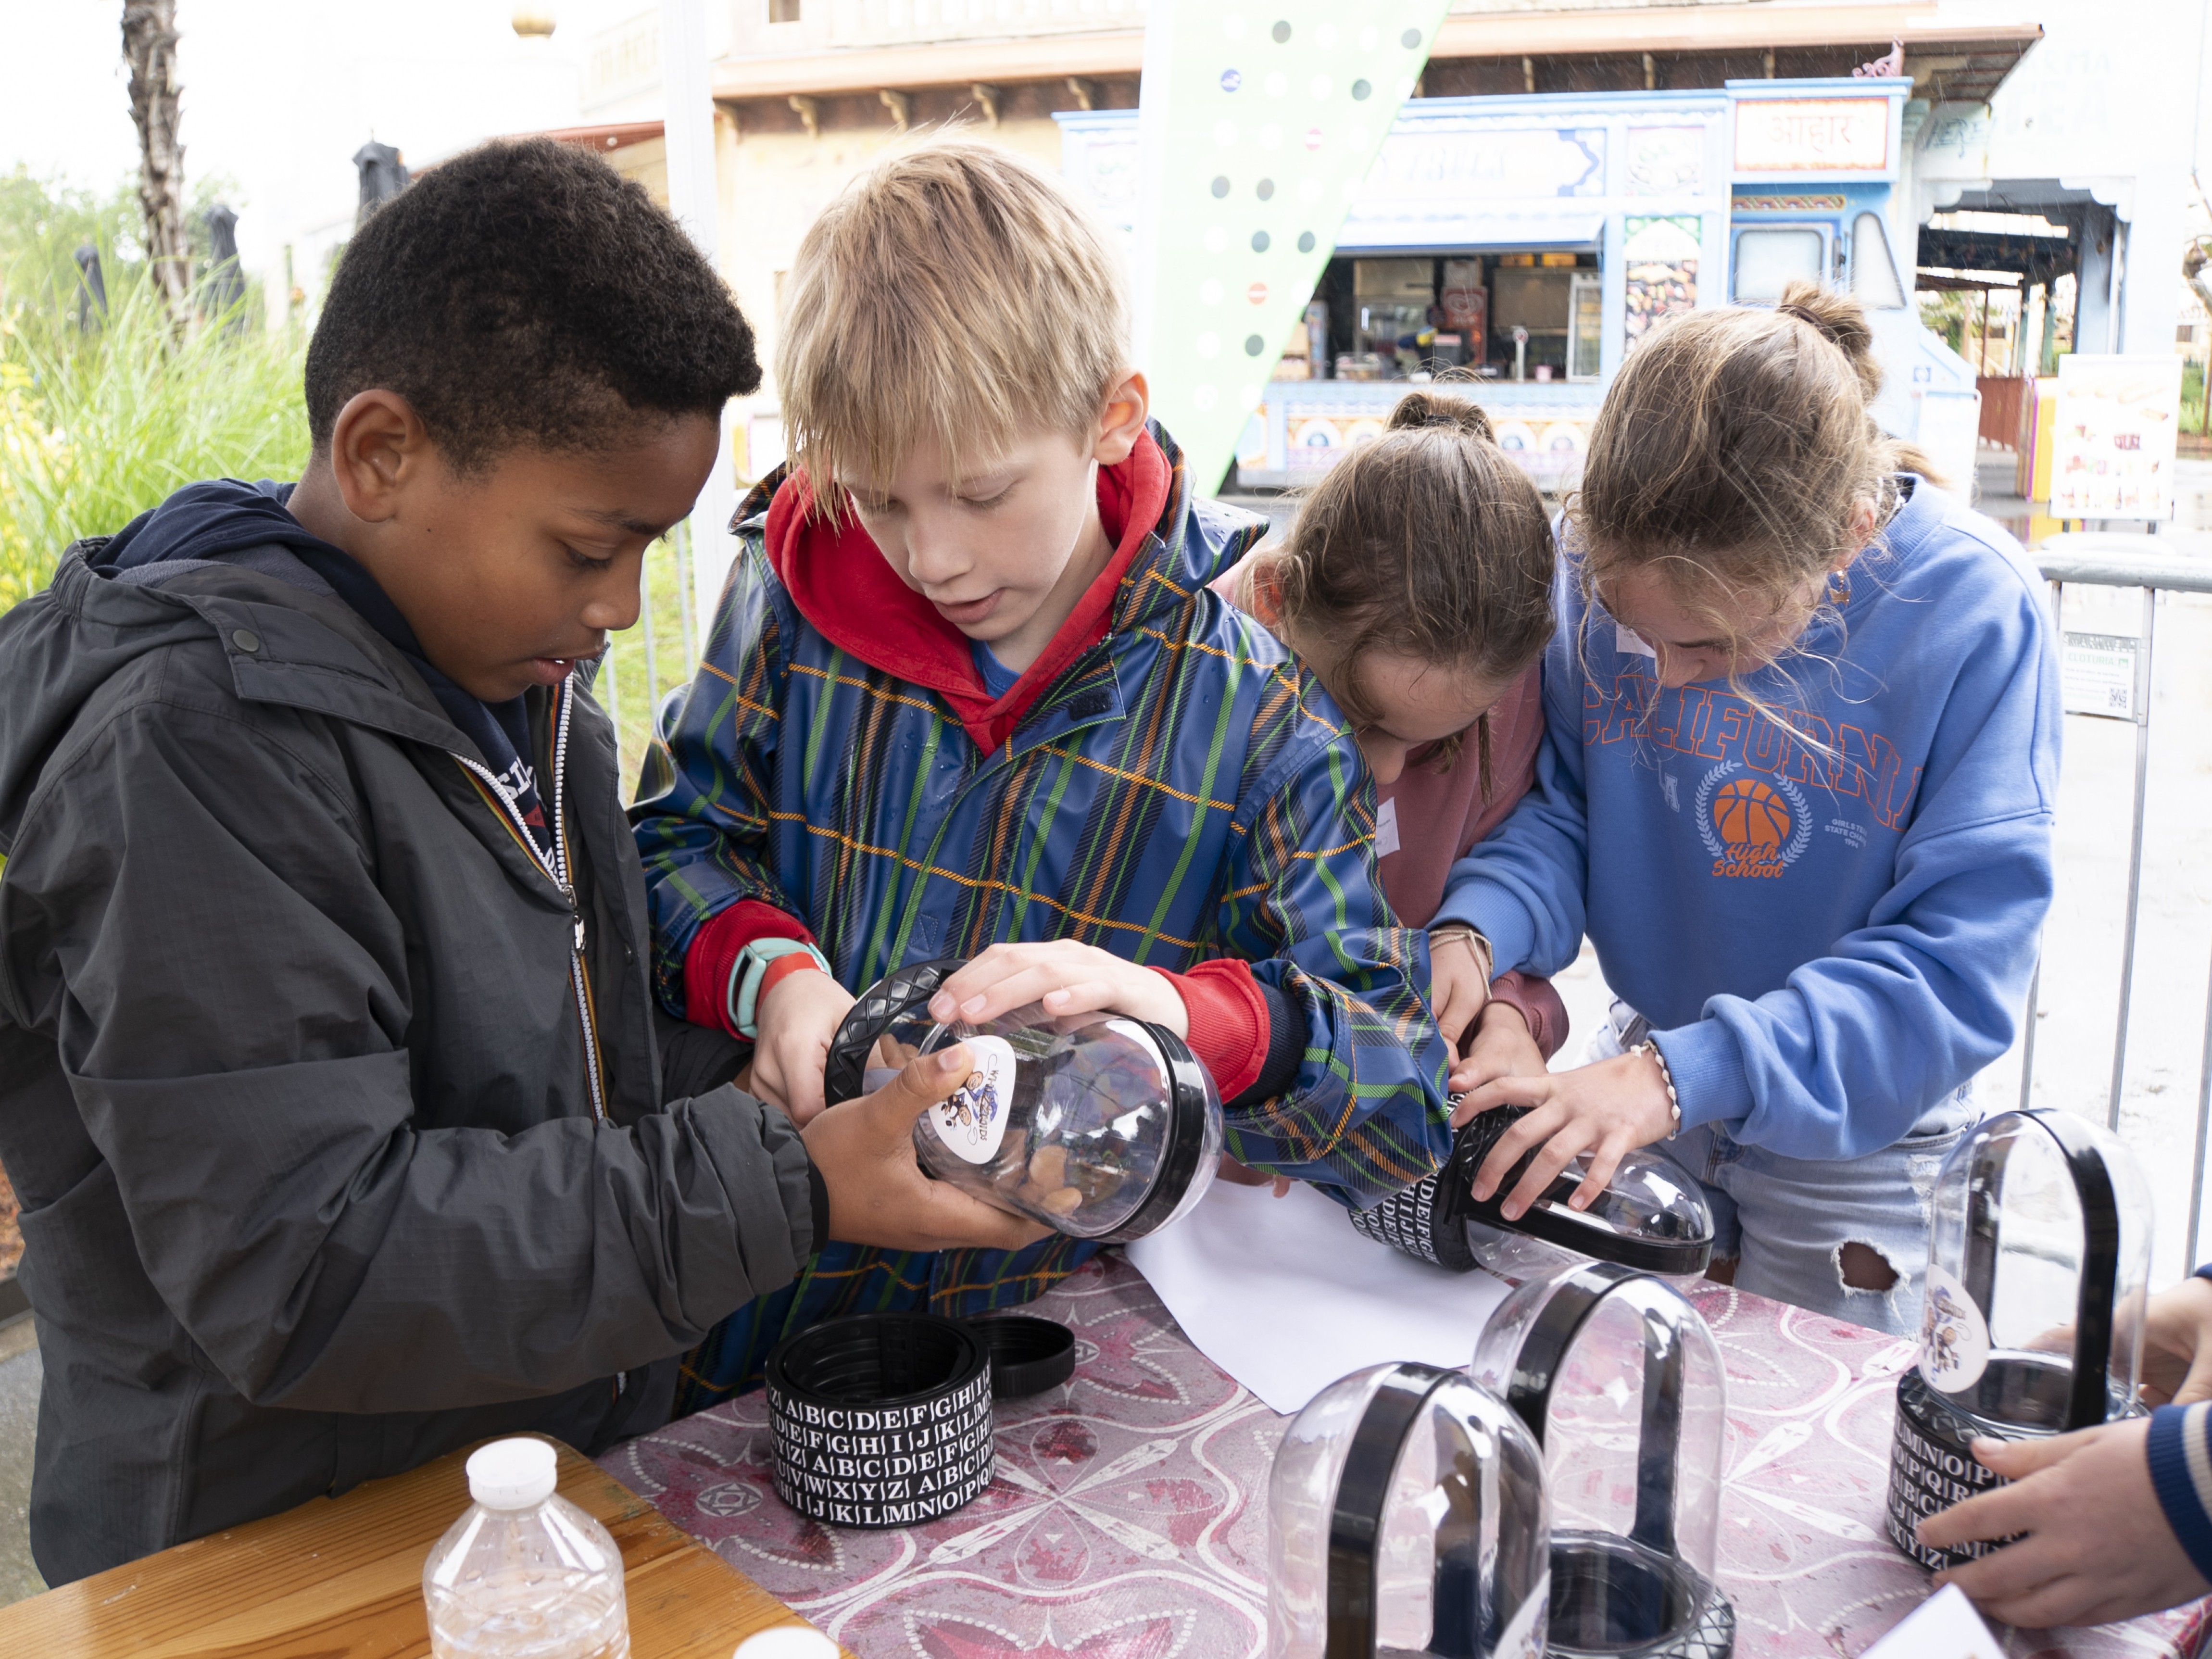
[1428, 819]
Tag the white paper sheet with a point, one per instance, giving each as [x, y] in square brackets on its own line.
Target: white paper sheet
[1283, 1294]
[1944, 1626]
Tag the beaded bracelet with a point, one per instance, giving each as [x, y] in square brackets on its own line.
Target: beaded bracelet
[1470, 936]
[1667, 1077]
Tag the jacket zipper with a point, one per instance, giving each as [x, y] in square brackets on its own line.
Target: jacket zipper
[556, 869]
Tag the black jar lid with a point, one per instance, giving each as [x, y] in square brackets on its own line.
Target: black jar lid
[1028, 1354]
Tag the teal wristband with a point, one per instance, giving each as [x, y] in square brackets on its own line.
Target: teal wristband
[742, 995]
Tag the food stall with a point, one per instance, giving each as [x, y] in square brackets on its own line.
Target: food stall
[1518, 246]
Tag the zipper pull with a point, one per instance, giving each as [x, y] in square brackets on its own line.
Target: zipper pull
[575, 915]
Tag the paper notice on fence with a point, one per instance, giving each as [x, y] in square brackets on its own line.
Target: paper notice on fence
[2098, 674]
[1944, 1626]
[1283, 1294]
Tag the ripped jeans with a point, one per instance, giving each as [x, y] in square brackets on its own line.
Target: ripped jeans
[1786, 1220]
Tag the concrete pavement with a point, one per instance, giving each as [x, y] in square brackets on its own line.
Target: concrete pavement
[20, 1375]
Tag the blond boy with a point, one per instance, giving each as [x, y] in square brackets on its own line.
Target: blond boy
[968, 695]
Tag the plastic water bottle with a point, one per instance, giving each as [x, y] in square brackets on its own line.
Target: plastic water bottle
[524, 1574]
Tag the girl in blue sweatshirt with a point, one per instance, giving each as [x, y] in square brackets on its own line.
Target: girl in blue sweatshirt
[1801, 751]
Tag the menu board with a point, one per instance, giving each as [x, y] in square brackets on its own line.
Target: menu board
[2113, 446]
[1662, 255]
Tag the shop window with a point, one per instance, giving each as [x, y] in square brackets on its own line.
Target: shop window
[1586, 325]
[1768, 258]
[1873, 273]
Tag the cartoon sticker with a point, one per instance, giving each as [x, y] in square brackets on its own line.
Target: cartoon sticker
[1954, 1341]
[972, 1121]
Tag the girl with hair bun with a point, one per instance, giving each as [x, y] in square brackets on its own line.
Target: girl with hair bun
[1803, 715]
[1417, 585]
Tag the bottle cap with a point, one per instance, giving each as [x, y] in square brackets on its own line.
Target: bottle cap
[788, 1641]
[512, 1474]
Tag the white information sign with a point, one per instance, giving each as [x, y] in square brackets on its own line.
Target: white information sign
[1812, 135]
[2098, 672]
[2112, 447]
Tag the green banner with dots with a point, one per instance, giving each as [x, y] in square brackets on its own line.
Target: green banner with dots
[1257, 126]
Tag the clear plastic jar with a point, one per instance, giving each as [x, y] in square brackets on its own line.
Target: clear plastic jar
[1620, 1380]
[1651, 1216]
[1097, 1125]
[2031, 1322]
[524, 1574]
[1450, 1513]
[2033, 1254]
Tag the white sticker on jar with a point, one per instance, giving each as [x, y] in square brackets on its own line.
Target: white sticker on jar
[972, 1121]
[1524, 1638]
[1954, 1340]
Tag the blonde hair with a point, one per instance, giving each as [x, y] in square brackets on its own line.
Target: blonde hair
[1732, 454]
[954, 293]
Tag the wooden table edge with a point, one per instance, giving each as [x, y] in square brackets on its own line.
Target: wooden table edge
[341, 1578]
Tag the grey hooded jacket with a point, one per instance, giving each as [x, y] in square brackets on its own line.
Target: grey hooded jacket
[294, 1083]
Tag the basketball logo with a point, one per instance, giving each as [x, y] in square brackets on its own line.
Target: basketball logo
[1751, 816]
[1755, 826]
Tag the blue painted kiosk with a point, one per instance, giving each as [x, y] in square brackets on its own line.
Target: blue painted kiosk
[1520, 246]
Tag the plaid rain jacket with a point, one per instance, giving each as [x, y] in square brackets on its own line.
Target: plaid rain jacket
[1183, 791]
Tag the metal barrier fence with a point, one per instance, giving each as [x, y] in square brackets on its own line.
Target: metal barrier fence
[2119, 668]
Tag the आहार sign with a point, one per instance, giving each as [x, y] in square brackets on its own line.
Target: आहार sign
[2101, 673]
[1812, 135]
[2112, 443]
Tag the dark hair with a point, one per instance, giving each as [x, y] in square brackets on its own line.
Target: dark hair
[1428, 542]
[526, 293]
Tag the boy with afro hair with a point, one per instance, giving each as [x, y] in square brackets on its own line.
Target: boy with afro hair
[968, 695]
[345, 1129]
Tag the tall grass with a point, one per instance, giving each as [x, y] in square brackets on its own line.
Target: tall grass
[95, 428]
[98, 426]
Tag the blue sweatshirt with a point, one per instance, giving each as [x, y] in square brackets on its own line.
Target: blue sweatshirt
[2181, 1455]
[1829, 937]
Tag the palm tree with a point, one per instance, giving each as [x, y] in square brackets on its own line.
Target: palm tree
[149, 48]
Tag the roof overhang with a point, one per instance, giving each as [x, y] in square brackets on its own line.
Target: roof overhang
[611, 134]
[943, 63]
[1962, 63]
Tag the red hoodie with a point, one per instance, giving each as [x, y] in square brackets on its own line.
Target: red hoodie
[848, 593]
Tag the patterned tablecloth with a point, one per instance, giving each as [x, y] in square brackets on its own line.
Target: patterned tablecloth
[1128, 1518]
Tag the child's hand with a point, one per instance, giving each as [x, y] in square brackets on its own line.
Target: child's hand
[2178, 1345]
[1066, 978]
[877, 1193]
[1242, 1175]
[798, 1021]
[1603, 1109]
[1501, 1047]
[1457, 987]
[2098, 1546]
